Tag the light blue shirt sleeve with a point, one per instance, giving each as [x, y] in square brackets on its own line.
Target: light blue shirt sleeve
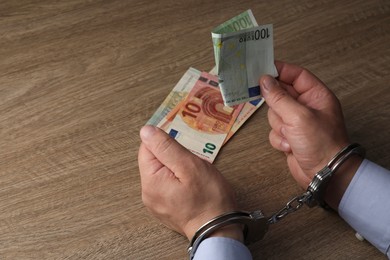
[222, 248]
[365, 205]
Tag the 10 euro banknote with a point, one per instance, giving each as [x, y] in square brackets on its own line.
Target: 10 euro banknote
[166, 113]
[194, 114]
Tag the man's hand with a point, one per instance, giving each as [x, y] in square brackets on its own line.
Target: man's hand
[180, 189]
[307, 124]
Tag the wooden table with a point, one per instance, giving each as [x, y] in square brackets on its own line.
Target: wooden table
[78, 79]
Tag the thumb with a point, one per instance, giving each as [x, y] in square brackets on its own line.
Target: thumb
[279, 99]
[169, 152]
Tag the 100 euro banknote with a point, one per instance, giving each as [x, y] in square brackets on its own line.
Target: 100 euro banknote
[202, 122]
[241, 58]
[242, 21]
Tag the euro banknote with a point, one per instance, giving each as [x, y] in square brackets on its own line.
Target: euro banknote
[202, 121]
[241, 58]
[242, 21]
[168, 109]
[177, 94]
[194, 112]
[246, 112]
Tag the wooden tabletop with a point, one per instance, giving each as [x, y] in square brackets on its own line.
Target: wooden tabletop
[78, 79]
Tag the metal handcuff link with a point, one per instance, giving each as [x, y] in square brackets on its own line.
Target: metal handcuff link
[256, 224]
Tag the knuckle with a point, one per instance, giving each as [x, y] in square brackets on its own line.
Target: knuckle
[323, 94]
[305, 72]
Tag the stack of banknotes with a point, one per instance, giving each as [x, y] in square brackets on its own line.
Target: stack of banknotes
[204, 110]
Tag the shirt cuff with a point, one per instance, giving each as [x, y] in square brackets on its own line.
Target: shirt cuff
[222, 248]
[365, 205]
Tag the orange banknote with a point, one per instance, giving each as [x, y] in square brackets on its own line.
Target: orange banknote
[201, 122]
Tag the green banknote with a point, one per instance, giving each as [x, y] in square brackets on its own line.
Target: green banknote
[241, 58]
[242, 21]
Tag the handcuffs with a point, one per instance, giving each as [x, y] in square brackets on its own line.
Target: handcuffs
[256, 224]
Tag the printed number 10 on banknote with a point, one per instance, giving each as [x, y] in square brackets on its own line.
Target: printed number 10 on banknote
[203, 122]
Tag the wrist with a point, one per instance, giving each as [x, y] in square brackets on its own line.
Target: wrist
[231, 224]
[340, 181]
[234, 231]
[194, 225]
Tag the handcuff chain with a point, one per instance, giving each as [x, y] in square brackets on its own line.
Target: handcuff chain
[291, 206]
[314, 194]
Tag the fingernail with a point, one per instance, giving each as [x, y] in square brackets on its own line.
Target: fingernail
[285, 146]
[147, 132]
[267, 82]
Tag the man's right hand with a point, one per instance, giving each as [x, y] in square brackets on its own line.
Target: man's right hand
[307, 124]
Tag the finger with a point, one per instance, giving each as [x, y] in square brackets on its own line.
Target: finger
[152, 172]
[305, 86]
[156, 179]
[278, 142]
[290, 89]
[301, 79]
[169, 152]
[275, 122]
[147, 162]
[285, 106]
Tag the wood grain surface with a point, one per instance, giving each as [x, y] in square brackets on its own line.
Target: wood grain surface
[78, 79]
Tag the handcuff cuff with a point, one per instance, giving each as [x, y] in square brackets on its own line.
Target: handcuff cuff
[256, 224]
